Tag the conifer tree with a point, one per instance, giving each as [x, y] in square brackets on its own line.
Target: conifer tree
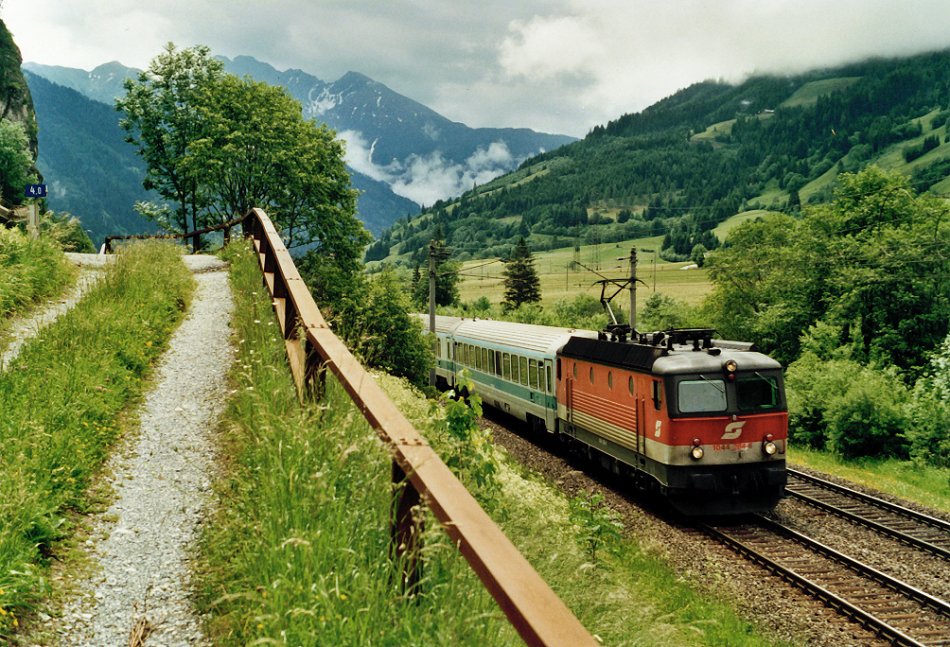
[521, 280]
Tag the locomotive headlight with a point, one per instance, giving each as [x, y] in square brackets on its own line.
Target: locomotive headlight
[697, 451]
[768, 446]
[729, 368]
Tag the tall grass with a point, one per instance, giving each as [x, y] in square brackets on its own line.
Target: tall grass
[30, 270]
[297, 551]
[61, 401]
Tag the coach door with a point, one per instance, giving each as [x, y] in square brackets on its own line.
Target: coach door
[550, 401]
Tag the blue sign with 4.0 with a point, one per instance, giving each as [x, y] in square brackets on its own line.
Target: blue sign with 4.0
[35, 191]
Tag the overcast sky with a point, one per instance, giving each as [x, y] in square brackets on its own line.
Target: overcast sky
[553, 65]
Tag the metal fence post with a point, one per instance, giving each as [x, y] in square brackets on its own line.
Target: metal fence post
[406, 531]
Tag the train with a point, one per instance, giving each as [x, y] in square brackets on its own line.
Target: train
[701, 421]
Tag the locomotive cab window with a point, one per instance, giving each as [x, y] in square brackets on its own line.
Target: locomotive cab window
[757, 392]
[657, 394]
[700, 396]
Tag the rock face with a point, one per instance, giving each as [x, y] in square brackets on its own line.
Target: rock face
[15, 102]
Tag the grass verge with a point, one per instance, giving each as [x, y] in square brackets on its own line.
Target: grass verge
[297, 551]
[62, 399]
[925, 484]
[30, 270]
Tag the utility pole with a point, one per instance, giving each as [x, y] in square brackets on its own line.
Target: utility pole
[435, 340]
[633, 289]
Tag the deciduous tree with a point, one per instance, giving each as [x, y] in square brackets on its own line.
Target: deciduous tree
[15, 161]
[163, 118]
[216, 145]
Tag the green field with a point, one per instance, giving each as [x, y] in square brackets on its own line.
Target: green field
[808, 94]
[713, 131]
[563, 278]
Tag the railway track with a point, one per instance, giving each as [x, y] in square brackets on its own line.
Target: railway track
[907, 526]
[899, 613]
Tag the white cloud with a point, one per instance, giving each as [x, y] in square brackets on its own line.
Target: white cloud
[544, 48]
[553, 65]
[424, 179]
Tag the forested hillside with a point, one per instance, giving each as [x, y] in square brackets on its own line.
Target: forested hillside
[692, 160]
[91, 171]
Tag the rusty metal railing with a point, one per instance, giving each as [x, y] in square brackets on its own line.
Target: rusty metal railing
[539, 616]
[108, 240]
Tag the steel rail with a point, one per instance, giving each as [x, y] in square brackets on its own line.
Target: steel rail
[877, 526]
[872, 500]
[938, 605]
[535, 611]
[831, 599]
[849, 609]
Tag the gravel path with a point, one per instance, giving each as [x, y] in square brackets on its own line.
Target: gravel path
[162, 486]
[25, 328]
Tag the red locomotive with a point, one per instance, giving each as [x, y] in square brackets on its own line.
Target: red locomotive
[699, 420]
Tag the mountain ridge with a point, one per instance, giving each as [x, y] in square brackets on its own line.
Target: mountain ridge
[402, 154]
[711, 150]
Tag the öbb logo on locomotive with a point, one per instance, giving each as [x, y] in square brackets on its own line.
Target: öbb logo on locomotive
[733, 430]
[661, 409]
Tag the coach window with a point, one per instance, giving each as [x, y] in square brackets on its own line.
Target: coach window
[486, 366]
[610, 380]
[523, 370]
[506, 366]
[533, 374]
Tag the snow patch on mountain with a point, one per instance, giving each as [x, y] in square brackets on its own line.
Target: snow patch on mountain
[322, 103]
